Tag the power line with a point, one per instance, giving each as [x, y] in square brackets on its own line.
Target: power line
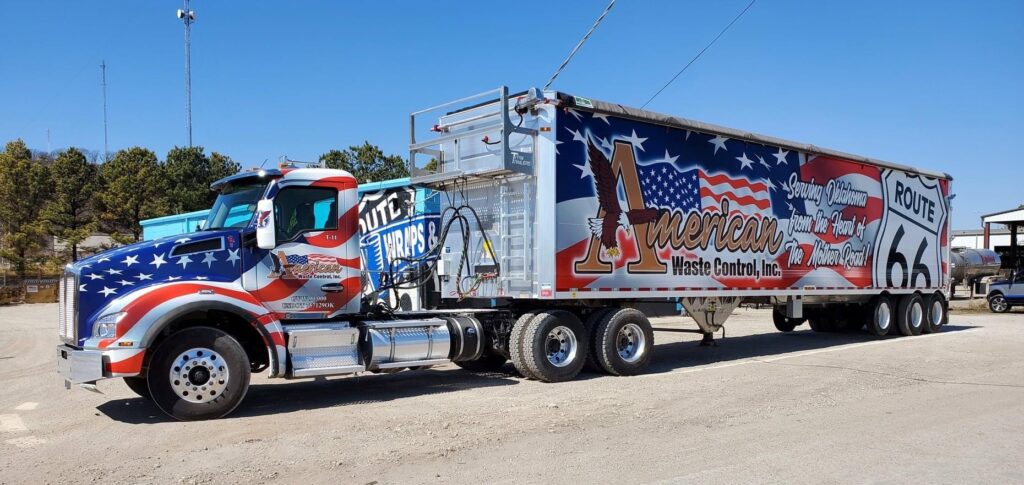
[580, 44]
[688, 64]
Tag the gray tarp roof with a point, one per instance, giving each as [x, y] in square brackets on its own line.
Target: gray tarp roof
[687, 124]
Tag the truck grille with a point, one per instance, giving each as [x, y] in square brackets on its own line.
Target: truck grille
[67, 321]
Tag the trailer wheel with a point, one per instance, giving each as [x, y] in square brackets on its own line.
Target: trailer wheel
[590, 324]
[488, 362]
[554, 346]
[823, 324]
[139, 386]
[624, 341]
[911, 315]
[937, 313]
[199, 373]
[515, 344]
[784, 323]
[880, 323]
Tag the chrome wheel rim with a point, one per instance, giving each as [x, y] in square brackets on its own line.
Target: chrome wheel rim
[199, 375]
[936, 314]
[883, 316]
[916, 315]
[561, 346]
[630, 343]
[998, 303]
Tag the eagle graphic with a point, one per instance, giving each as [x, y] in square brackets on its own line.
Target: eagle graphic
[605, 183]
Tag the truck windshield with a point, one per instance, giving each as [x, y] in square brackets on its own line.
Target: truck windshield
[234, 206]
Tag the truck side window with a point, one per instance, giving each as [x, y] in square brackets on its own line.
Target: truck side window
[305, 209]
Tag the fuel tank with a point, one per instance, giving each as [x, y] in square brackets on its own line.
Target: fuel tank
[969, 265]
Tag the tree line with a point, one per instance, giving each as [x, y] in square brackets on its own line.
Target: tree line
[70, 194]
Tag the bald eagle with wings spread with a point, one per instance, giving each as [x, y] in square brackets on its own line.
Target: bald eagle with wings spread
[605, 183]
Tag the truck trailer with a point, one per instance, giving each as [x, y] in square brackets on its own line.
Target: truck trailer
[562, 221]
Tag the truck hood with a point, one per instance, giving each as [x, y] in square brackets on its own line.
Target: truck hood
[201, 256]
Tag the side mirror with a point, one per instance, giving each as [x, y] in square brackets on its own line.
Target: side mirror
[266, 236]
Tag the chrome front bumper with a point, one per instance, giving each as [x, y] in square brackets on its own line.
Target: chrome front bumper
[79, 366]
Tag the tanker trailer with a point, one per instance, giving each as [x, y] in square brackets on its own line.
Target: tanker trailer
[970, 265]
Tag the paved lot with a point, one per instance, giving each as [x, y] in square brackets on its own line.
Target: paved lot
[761, 407]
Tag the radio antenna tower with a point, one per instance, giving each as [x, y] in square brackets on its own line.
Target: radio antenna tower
[188, 16]
[103, 69]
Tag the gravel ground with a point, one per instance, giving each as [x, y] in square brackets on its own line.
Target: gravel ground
[761, 407]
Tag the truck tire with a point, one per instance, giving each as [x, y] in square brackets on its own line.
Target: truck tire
[199, 373]
[784, 323]
[624, 342]
[139, 386]
[488, 362]
[881, 316]
[936, 313]
[515, 344]
[595, 317]
[823, 324]
[852, 320]
[554, 346]
[997, 303]
[911, 315]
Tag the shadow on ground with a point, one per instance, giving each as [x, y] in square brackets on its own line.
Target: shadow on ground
[286, 397]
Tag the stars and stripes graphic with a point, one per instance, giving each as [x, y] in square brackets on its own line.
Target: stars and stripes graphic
[143, 282]
[666, 187]
[826, 210]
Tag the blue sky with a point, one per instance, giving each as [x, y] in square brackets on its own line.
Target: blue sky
[933, 84]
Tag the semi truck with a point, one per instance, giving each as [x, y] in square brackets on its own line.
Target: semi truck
[562, 220]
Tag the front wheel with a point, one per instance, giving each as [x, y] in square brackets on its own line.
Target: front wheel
[997, 303]
[199, 373]
[138, 385]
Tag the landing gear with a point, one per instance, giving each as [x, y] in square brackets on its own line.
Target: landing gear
[708, 340]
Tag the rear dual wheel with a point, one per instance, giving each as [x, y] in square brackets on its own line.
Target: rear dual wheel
[554, 345]
[912, 314]
[882, 313]
[622, 342]
[937, 313]
[550, 346]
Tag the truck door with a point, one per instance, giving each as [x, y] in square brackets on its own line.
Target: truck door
[313, 270]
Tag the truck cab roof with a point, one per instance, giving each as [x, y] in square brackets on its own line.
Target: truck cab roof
[266, 175]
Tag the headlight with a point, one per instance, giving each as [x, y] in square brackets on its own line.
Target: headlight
[106, 326]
